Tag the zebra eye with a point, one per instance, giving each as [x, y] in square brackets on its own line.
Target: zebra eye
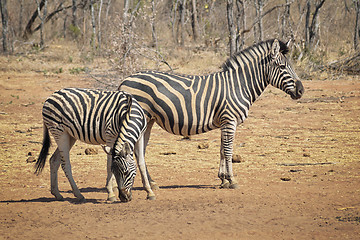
[282, 66]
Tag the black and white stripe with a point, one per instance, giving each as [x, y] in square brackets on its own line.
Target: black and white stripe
[95, 117]
[187, 105]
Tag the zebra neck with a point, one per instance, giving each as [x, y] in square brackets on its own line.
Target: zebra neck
[246, 83]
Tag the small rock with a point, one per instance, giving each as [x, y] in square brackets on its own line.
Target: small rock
[237, 159]
[91, 151]
[30, 154]
[203, 146]
[286, 179]
[306, 154]
[168, 153]
[30, 159]
[242, 145]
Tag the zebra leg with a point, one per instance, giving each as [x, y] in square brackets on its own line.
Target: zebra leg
[65, 143]
[139, 153]
[54, 167]
[150, 124]
[226, 150]
[111, 185]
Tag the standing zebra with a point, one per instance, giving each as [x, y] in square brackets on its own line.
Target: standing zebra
[94, 117]
[187, 105]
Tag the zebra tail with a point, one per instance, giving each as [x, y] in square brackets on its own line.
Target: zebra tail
[40, 163]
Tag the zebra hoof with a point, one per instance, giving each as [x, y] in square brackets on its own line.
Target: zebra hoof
[234, 186]
[151, 198]
[154, 186]
[116, 191]
[59, 198]
[112, 199]
[225, 185]
[81, 199]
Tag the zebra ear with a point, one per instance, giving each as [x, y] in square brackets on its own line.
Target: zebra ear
[126, 150]
[275, 49]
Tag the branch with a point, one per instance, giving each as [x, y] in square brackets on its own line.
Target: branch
[59, 9]
[28, 32]
[264, 14]
[317, 9]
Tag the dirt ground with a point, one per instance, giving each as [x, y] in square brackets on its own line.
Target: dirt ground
[298, 171]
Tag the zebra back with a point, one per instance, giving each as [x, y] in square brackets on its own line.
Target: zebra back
[187, 105]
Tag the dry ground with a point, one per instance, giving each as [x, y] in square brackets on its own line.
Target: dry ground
[298, 175]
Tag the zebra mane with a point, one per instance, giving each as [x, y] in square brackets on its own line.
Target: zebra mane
[232, 62]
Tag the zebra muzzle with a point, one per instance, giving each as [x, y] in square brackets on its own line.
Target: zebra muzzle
[125, 195]
[298, 91]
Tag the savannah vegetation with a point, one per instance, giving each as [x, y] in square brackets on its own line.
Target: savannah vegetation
[136, 34]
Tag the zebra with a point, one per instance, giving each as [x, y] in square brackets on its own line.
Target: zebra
[186, 105]
[112, 119]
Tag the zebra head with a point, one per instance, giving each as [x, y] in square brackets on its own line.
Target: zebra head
[281, 74]
[124, 169]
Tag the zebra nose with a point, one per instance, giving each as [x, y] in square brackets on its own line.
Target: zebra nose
[125, 195]
[299, 88]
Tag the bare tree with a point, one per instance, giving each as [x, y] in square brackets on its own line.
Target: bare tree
[21, 7]
[258, 29]
[5, 23]
[312, 24]
[231, 25]
[42, 18]
[241, 24]
[174, 10]
[152, 23]
[182, 22]
[194, 21]
[236, 24]
[285, 21]
[74, 16]
[99, 24]
[28, 29]
[357, 25]
[93, 25]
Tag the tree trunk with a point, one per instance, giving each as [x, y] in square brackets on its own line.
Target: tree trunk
[241, 24]
[312, 29]
[152, 22]
[195, 23]
[357, 26]
[258, 29]
[231, 26]
[65, 24]
[74, 16]
[174, 21]
[93, 24]
[28, 31]
[42, 43]
[285, 23]
[21, 3]
[182, 22]
[108, 4]
[5, 23]
[99, 24]
[126, 12]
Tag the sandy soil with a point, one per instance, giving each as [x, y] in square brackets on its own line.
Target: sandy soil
[298, 175]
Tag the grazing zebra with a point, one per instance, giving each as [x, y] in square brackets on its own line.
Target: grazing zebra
[94, 117]
[187, 105]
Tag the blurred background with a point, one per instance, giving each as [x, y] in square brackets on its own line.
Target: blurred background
[130, 35]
